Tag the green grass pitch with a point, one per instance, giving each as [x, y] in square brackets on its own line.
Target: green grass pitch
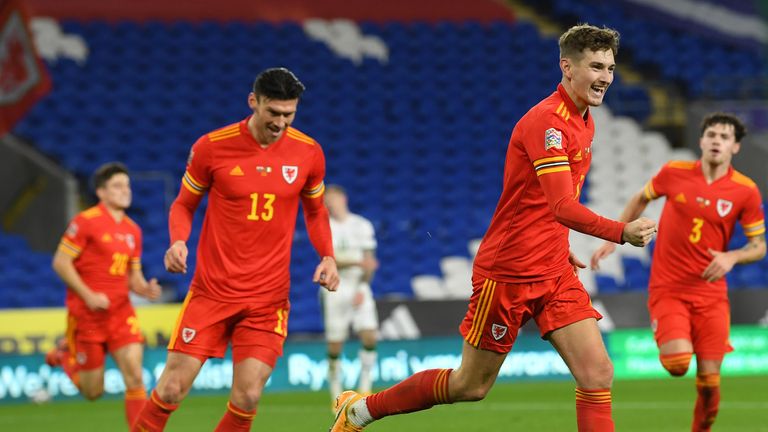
[658, 406]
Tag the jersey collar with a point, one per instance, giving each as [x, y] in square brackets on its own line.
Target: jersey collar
[570, 104]
[244, 131]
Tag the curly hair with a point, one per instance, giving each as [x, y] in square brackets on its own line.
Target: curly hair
[739, 130]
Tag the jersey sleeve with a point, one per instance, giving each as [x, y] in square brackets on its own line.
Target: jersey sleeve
[315, 186]
[752, 218]
[75, 237]
[197, 177]
[546, 144]
[137, 250]
[658, 186]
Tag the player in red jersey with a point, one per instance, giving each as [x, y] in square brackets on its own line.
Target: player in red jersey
[254, 173]
[524, 269]
[688, 299]
[99, 259]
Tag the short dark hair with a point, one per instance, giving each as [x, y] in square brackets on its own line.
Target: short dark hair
[582, 36]
[739, 129]
[278, 84]
[105, 172]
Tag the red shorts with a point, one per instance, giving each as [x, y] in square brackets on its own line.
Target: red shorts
[91, 335]
[497, 310]
[205, 327]
[703, 321]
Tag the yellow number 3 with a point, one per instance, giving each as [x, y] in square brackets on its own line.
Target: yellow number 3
[696, 230]
[268, 210]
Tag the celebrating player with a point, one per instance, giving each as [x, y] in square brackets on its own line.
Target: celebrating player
[352, 304]
[688, 297]
[254, 173]
[99, 259]
[523, 268]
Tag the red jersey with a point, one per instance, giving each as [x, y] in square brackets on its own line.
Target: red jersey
[527, 239]
[253, 199]
[698, 216]
[103, 250]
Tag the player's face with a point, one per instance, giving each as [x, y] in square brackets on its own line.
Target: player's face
[590, 76]
[336, 202]
[271, 117]
[116, 192]
[718, 144]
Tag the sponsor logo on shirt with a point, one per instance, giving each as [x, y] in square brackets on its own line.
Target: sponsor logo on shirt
[498, 331]
[237, 171]
[187, 334]
[290, 173]
[130, 241]
[106, 238]
[553, 138]
[724, 207]
[680, 198]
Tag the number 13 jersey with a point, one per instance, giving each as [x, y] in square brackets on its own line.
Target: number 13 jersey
[253, 198]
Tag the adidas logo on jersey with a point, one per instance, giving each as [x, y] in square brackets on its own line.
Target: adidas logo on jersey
[237, 171]
[680, 198]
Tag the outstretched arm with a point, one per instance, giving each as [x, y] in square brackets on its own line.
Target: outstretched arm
[558, 188]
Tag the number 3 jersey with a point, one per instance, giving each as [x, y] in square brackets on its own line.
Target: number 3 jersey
[697, 217]
[104, 251]
[253, 199]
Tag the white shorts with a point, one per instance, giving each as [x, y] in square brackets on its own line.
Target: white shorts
[339, 311]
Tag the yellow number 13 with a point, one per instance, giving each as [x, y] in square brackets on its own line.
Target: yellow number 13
[267, 209]
[695, 235]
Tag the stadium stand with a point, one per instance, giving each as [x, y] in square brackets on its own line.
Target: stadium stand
[417, 137]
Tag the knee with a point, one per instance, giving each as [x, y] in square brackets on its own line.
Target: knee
[597, 376]
[676, 364]
[476, 393]
[247, 399]
[172, 390]
[92, 394]
[469, 391]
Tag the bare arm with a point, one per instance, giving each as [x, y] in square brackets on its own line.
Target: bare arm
[723, 262]
[369, 265]
[633, 210]
[64, 266]
[139, 284]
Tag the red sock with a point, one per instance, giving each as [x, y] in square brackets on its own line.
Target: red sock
[707, 403]
[593, 410]
[134, 402]
[235, 419]
[154, 415]
[418, 392]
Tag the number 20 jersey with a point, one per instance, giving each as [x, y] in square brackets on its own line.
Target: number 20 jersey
[253, 198]
[698, 217]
